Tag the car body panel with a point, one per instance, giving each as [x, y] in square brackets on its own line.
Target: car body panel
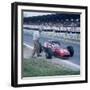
[57, 49]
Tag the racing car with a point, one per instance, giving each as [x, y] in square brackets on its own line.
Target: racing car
[53, 48]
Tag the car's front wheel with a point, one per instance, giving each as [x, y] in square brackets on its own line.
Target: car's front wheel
[48, 53]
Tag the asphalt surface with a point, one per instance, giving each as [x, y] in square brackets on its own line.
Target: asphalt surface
[27, 39]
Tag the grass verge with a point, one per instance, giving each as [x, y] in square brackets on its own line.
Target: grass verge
[40, 67]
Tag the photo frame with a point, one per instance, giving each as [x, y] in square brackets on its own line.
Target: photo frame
[48, 44]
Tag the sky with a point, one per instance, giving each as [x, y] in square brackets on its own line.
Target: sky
[31, 14]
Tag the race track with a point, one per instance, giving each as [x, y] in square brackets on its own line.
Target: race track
[27, 39]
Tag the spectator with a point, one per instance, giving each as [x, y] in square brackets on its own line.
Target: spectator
[36, 49]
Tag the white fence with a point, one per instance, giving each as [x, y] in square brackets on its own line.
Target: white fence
[63, 35]
[60, 28]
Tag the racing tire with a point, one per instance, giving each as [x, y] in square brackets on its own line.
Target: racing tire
[40, 47]
[71, 50]
[48, 53]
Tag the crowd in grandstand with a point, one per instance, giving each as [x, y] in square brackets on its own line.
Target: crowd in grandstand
[57, 22]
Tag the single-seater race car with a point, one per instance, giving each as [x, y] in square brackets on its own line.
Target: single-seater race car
[53, 48]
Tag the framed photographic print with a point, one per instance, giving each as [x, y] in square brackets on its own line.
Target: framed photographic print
[49, 44]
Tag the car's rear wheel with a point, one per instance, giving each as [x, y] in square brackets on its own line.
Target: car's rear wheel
[71, 50]
[48, 53]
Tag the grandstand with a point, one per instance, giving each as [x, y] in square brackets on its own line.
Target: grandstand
[67, 25]
[57, 22]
